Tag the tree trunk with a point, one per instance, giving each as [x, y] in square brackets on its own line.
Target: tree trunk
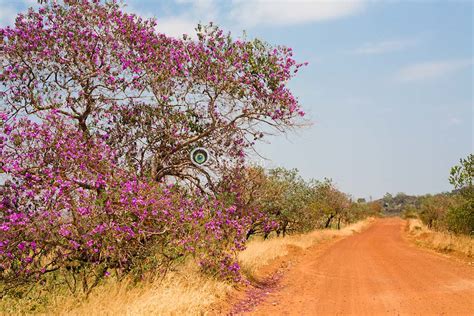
[250, 233]
[328, 222]
[284, 229]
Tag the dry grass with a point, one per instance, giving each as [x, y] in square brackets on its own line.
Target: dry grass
[261, 252]
[440, 241]
[182, 292]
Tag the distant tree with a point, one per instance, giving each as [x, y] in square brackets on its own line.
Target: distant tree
[332, 203]
[397, 203]
[433, 210]
[375, 207]
[288, 198]
[462, 174]
[460, 219]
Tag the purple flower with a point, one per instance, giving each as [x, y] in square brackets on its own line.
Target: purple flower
[21, 246]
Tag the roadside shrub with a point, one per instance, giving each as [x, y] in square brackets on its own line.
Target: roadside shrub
[433, 210]
[69, 207]
[460, 219]
[410, 212]
[332, 205]
[452, 211]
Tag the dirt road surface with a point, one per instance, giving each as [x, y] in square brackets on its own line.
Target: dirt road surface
[376, 272]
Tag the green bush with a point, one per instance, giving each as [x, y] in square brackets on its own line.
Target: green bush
[410, 212]
[460, 219]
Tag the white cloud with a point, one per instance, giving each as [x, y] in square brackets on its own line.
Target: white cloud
[384, 47]
[9, 9]
[288, 12]
[432, 70]
[454, 121]
[176, 26]
[202, 8]
[7, 15]
[247, 13]
[236, 14]
[184, 22]
[200, 11]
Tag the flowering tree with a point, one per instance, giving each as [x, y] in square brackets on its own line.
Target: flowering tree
[247, 190]
[154, 98]
[97, 110]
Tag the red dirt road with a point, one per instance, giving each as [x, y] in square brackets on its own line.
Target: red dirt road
[376, 272]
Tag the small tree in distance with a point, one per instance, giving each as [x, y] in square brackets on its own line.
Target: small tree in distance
[462, 174]
[460, 219]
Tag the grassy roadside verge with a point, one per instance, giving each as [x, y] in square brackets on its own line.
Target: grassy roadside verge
[443, 242]
[183, 291]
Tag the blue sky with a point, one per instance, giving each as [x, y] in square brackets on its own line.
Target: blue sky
[388, 87]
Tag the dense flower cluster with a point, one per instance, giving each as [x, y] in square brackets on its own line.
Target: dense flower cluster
[153, 96]
[67, 203]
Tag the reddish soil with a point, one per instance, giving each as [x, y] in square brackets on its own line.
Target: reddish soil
[376, 272]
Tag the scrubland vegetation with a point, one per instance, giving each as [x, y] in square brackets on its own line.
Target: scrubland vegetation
[451, 212]
[444, 221]
[442, 241]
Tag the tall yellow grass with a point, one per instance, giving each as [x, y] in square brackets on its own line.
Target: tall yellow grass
[440, 241]
[182, 292]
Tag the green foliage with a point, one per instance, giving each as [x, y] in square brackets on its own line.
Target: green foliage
[288, 198]
[410, 212]
[453, 211]
[361, 210]
[288, 203]
[461, 175]
[461, 219]
[398, 203]
[433, 209]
